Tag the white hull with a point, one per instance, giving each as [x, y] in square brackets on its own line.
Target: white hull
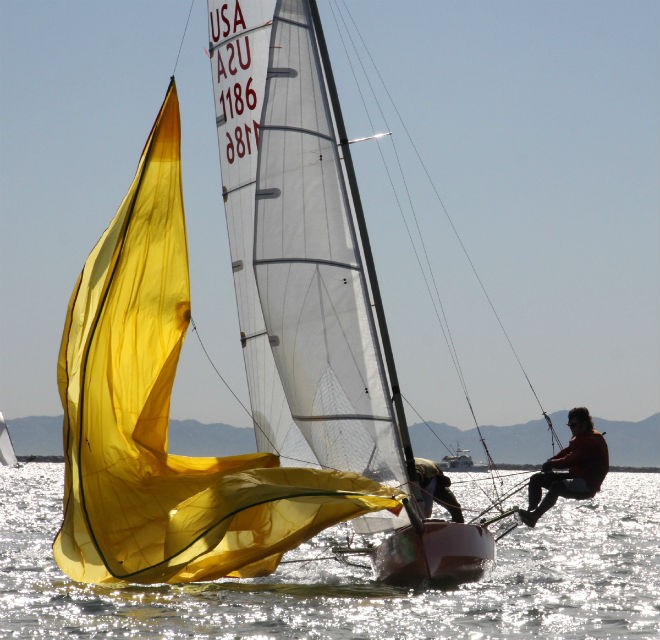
[7, 455]
[443, 552]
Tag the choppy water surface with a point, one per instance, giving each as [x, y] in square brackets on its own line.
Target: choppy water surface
[588, 570]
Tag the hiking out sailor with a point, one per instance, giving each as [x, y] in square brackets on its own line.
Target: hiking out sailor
[586, 460]
[435, 487]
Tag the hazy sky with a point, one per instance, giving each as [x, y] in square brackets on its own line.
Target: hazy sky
[539, 122]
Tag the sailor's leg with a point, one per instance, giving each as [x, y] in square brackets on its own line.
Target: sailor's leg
[541, 481]
[534, 490]
[562, 486]
[428, 491]
[549, 500]
[448, 500]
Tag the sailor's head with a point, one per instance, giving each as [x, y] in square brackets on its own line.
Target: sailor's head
[579, 420]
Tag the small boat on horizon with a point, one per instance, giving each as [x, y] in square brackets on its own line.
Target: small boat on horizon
[461, 461]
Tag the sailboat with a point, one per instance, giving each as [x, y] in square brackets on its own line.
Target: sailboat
[7, 454]
[330, 427]
[320, 367]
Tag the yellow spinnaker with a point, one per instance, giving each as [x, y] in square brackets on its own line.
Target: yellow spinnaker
[132, 512]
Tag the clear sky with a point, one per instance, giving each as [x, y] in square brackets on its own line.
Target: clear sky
[539, 122]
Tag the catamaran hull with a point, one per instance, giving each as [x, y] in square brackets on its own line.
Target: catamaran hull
[444, 552]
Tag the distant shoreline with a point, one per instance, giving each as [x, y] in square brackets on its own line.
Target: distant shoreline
[500, 467]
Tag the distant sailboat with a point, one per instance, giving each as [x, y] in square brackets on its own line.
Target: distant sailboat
[321, 375]
[7, 454]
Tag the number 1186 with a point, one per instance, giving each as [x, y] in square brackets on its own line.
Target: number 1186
[243, 141]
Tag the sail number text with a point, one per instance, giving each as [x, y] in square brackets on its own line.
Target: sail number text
[237, 98]
[243, 141]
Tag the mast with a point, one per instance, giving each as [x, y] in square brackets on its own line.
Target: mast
[366, 247]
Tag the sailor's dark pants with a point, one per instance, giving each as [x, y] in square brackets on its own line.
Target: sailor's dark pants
[557, 487]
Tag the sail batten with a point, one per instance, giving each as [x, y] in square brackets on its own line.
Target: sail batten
[233, 190]
[316, 261]
[291, 129]
[282, 73]
[224, 40]
[343, 416]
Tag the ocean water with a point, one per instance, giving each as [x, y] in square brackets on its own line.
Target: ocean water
[588, 570]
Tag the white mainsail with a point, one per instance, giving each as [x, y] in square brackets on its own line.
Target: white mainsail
[7, 454]
[302, 292]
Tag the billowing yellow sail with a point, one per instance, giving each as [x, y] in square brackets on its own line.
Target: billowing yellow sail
[132, 512]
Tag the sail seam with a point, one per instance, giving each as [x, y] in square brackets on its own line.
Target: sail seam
[345, 416]
[236, 36]
[311, 132]
[295, 23]
[327, 263]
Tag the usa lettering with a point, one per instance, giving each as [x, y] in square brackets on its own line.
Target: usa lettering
[237, 96]
[235, 55]
[225, 22]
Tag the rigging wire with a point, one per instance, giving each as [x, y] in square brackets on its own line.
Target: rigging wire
[450, 451]
[183, 37]
[516, 489]
[217, 371]
[504, 476]
[233, 393]
[436, 300]
[517, 358]
[439, 309]
[307, 462]
[256, 424]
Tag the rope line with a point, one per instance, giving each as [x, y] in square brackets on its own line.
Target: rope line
[430, 428]
[436, 299]
[430, 280]
[183, 37]
[256, 424]
[516, 489]
[443, 322]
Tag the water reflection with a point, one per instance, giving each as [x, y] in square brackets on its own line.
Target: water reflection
[587, 570]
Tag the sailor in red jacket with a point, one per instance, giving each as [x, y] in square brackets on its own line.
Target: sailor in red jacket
[587, 460]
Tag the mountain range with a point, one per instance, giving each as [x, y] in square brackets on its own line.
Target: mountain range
[631, 444]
